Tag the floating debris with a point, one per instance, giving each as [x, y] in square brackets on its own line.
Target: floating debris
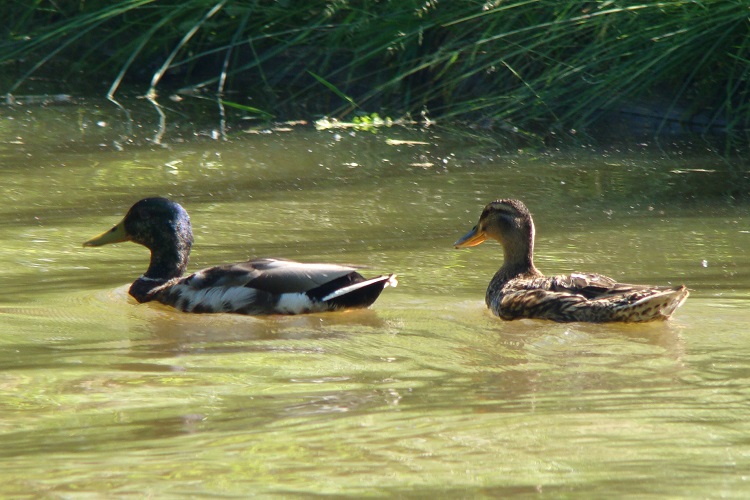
[42, 99]
[398, 142]
[692, 170]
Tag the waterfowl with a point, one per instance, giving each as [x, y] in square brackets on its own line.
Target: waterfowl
[520, 290]
[261, 286]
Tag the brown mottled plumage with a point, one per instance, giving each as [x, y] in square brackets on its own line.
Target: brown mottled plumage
[519, 290]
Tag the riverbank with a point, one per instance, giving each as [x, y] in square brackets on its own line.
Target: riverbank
[537, 70]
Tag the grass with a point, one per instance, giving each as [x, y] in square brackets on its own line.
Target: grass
[535, 67]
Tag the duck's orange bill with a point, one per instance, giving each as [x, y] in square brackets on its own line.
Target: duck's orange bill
[471, 239]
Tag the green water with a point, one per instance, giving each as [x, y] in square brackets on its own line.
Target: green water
[424, 394]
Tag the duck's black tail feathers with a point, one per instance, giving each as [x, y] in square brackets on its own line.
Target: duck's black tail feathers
[357, 295]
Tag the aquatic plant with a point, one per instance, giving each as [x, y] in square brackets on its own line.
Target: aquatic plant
[538, 67]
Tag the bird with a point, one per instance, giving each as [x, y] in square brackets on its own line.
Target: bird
[520, 290]
[256, 287]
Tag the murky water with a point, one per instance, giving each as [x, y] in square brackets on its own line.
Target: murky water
[425, 393]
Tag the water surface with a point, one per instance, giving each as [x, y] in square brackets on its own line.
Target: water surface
[425, 393]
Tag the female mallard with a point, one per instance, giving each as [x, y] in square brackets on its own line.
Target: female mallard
[262, 286]
[519, 290]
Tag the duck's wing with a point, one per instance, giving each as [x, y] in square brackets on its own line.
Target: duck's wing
[591, 286]
[274, 276]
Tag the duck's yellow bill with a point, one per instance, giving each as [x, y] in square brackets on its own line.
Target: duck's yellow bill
[114, 235]
[471, 239]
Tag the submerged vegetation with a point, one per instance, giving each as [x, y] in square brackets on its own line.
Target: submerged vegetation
[535, 67]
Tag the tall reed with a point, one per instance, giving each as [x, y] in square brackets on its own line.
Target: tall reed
[535, 66]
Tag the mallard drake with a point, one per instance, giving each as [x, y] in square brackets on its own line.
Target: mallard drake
[519, 290]
[262, 286]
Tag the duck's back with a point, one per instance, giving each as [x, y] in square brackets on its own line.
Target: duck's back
[584, 297]
[274, 276]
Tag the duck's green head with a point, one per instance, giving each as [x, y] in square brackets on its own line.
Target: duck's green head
[153, 222]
